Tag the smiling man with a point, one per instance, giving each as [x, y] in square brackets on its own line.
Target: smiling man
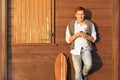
[80, 33]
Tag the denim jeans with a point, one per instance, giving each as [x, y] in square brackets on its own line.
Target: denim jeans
[85, 56]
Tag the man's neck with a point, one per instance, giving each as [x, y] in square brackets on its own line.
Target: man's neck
[80, 22]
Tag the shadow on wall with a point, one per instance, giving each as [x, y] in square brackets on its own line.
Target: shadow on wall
[97, 62]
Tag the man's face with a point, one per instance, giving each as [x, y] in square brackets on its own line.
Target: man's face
[80, 16]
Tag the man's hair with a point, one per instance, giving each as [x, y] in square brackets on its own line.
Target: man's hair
[79, 9]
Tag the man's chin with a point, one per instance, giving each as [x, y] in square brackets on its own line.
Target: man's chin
[81, 20]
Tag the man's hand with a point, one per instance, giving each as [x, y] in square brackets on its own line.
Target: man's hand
[80, 34]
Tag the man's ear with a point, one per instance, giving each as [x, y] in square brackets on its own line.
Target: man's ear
[75, 15]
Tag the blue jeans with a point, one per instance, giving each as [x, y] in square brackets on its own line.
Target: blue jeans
[86, 57]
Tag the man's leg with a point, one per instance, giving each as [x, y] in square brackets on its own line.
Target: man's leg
[77, 66]
[87, 61]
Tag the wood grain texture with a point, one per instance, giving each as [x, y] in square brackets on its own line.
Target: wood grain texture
[61, 67]
[36, 62]
[28, 20]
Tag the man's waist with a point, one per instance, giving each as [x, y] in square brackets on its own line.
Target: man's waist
[82, 47]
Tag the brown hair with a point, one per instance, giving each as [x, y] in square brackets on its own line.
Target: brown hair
[79, 9]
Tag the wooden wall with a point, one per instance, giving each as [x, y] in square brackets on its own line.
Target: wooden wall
[102, 15]
[119, 46]
[0, 40]
[36, 62]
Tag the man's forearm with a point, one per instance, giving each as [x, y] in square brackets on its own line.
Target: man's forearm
[90, 38]
[72, 38]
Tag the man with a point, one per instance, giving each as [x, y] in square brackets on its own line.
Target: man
[80, 33]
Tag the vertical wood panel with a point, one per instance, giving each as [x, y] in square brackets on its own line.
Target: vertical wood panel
[23, 21]
[115, 46]
[3, 40]
[31, 21]
[0, 39]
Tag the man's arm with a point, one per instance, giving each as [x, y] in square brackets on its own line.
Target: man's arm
[70, 38]
[90, 38]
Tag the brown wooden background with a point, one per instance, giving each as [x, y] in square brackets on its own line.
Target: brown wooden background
[29, 21]
[36, 62]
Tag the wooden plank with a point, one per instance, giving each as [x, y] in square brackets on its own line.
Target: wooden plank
[116, 38]
[0, 40]
[36, 28]
[107, 21]
[3, 40]
[72, 4]
[67, 13]
[40, 19]
[23, 26]
[61, 67]
[83, 1]
[22, 75]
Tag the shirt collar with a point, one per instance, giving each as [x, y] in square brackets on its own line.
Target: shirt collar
[76, 22]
